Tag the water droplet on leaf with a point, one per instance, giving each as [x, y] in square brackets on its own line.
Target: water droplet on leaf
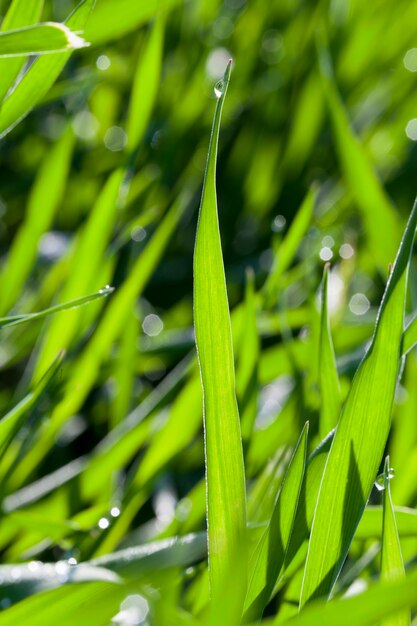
[218, 88]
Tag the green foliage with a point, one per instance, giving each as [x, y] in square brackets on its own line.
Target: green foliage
[144, 481]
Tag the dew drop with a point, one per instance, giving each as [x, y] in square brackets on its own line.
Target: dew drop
[103, 523]
[380, 483]
[218, 88]
[106, 290]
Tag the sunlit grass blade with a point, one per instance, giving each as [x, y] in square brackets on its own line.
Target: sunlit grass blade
[47, 193]
[360, 436]
[270, 552]
[328, 376]
[145, 84]
[392, 565]
[371, 198]
[20, 13]
[14, 320]
[45, 38]
[40, 76]
[12, 421]
[290, 245]
[365, 609]
[248, 358]
[226, 500]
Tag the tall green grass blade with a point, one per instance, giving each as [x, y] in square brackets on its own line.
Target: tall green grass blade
[392, 565]
[40, 76]
[328, 376]
[270, 552]
[20, 13]
[374, 204]
[15, 320]
[360, 436]
[45, 38]
[47, 193]
[226, 501]
[145, 84]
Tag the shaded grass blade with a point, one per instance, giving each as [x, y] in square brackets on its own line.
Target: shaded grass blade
[360, 436]
[270, 552]
[226, 501]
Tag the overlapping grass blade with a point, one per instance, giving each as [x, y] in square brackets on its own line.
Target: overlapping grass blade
[360, 436]
[392, 565]
[270, 552]
[45, 38]
[15, 320]
[40, 76]
[328, 376]
[226, 500]
[20, 13]
[47, 193]
[145, 83]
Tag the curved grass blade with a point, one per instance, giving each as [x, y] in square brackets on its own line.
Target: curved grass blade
[392, 565]
[46, 38]
[226, 500]
[360, 437]
[20, 13]
[328, 377]
[270, 552]
[40, 76]
[14, 320]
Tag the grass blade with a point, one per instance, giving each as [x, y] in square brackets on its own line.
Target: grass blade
[226, 500]
[360, 436]
[47, 192]
[20, 13]
[46, 38]
[145, 84]
[40, 77]
[271, 549]
[328, 377]
[15, 320]
[392, 565]
[11, 422]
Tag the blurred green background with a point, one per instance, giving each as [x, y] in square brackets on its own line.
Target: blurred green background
[101, 183]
